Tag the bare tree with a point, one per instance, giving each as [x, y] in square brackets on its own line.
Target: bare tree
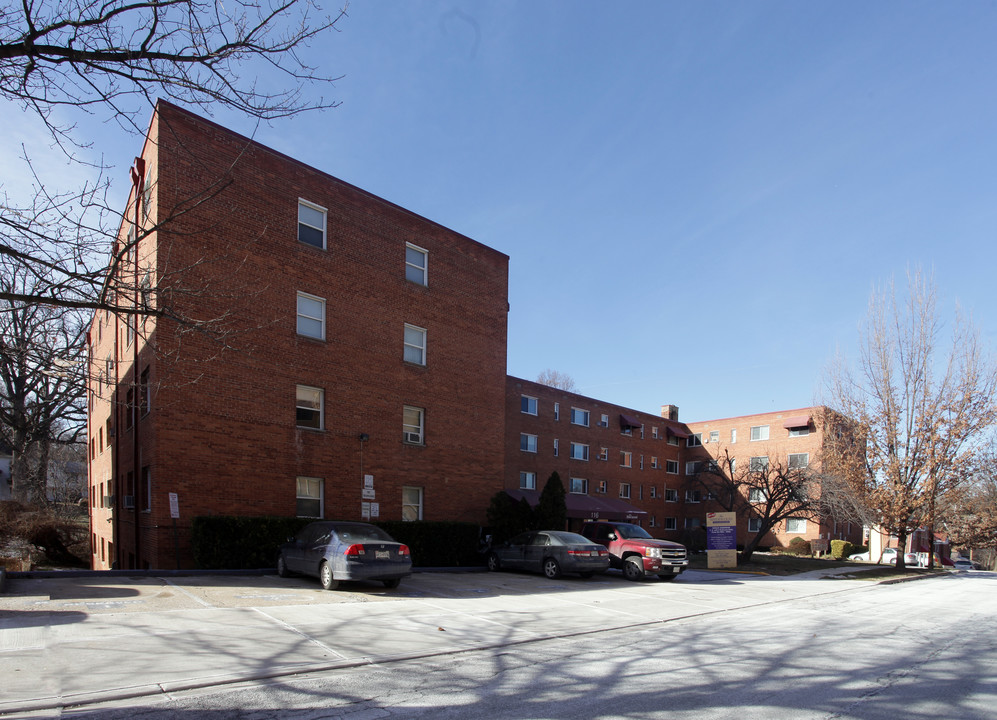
[766, 491]
[918, 416]
[969, 514]
[557, 379]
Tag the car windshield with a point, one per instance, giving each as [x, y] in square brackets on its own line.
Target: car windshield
[630, 532]
[570, 538]
[359, 532]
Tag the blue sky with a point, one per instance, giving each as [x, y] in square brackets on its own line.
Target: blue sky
[697, 198]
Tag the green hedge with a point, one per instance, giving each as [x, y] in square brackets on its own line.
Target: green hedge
[222, 542]
[841, 549]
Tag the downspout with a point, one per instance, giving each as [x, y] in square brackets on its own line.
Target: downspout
[137, 172]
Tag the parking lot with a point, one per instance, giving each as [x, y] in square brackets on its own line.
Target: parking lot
[73, 641]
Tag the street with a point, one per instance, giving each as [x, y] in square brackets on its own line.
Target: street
[517, 646]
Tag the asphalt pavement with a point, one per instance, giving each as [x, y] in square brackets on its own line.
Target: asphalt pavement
[76, 641]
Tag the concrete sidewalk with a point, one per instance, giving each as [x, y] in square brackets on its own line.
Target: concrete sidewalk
[78, 641]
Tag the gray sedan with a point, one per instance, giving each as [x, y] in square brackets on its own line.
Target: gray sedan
[551, 552]
[335, 551]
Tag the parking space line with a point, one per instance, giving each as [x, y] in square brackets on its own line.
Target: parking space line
[189, 594]
[306, 636]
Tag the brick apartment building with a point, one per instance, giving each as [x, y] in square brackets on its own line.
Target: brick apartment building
[792, 438]
[353, 363]
[615, 463]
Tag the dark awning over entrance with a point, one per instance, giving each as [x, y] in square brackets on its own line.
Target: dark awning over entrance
[587, 507]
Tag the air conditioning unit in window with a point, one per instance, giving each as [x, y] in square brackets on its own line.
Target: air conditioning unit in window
[108, 501]
[411, 437]
[129, 502]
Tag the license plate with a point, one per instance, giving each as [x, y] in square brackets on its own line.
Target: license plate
[382, 555]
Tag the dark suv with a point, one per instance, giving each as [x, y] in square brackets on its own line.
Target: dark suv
[634, 551]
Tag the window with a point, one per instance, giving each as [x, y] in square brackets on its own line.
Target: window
[692, 523]
[671, 495]
[528, 443]
[311, 316]
[416, 264]
[310, 407]
[527, 480]
[799, 460]
[415, 345]
[673, 440]
[760, 432]
[411, 503]
[654, 432]
[555, 447]
[694, 440]
[671, 523]
[311, 224]
[757, 495]
[640, 462]
[579, 486]
[626, 458]
[557, 411]
[310, 497]
[672, 466]
[733, 435]
[754, 525]
[692, 467]
[144, 394]
[604, 453]
[603, 487]
[528, 405]
[714, 436]
[579, 451]
[652, 522]
[412, 425]
[654, 492]
[758, 464]
[733, 466]
[654, 462]
[579, 417]
[625, 491]
[604, 420]
[799, 431]
[796, 526]
[693, 496]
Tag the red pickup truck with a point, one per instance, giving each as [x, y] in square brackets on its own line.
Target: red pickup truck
[633, 550]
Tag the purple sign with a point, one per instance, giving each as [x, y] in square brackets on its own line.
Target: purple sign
[721, 538]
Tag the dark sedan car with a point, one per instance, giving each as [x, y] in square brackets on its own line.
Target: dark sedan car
[551, 552]
[334, 551]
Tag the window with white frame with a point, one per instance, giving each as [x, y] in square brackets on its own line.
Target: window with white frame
[579, 451]
[754, 525]
[311, 224]
[411, 503]
[556, 447]
[758, 464]
[527, 480]
[413, 425]
[714, 436]
[694, 440]
[625, 491]
[671, 523]
[528, 405]
[527, 442]
[557, 411]
[692, 467]
[604, 420]
[693, 496]
[672, 467]
[311, 316]
[673, 439]
[579, 486]
[799, 431]
[309, 497]
[603, 487]
[757, 495]
[796, 526]
[640, 462]
[799, 460]
[415, 344]
[733, 436]
[652, 522]
[760, 432]
[654, 462]
[671, 495]
[604, 453]
[654, 492]
[626, 458]
[416, 264]
[654, 432]
[733, 466]
[579, 417]
[310, 407]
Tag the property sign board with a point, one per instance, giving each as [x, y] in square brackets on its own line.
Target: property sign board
[174, 506]
[721, 540]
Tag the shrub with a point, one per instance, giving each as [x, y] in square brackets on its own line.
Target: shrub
[799, 546]
[438, 544]
[841, 549]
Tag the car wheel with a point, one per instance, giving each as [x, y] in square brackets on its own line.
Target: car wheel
[282, 570]
[325, 577]
[552, 568]
[586, 575]
[493, 562]
[633, 568]
[391, 584]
